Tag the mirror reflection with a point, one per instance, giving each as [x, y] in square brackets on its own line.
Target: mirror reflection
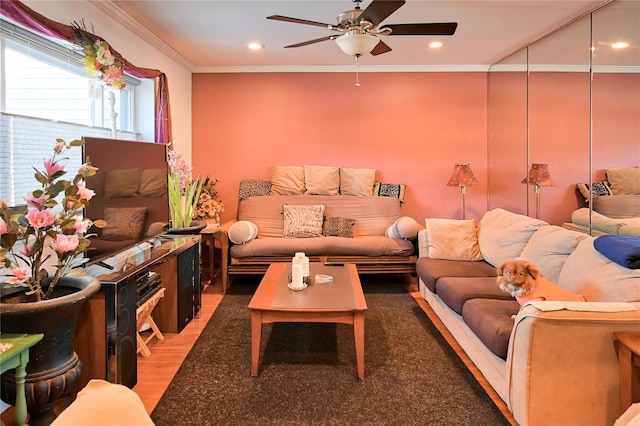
[576, 109]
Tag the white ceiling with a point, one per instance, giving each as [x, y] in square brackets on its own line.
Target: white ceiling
[210, 36]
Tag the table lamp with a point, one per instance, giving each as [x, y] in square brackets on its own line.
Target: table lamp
[462, 176]
[538, 176]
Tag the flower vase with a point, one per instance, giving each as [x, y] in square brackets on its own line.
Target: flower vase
[54, 367]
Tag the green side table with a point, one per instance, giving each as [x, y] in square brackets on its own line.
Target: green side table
[17, 356]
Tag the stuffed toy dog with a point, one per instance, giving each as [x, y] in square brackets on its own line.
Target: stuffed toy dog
[523, 280]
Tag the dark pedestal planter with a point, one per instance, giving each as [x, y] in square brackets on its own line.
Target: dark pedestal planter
[54, 367]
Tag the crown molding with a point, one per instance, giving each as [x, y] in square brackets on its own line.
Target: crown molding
[339, 68]
[138, 29]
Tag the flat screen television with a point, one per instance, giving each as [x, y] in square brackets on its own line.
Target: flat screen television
[130, 186]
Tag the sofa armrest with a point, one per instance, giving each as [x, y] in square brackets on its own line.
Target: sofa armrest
[422, 243]
[562, 364]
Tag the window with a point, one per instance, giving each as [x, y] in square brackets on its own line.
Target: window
[45, 94]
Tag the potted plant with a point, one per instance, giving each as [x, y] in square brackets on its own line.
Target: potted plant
[184, 193]
[208, 207]
[41, 287]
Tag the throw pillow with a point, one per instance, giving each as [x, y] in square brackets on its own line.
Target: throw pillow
[242, 232]
[321, 180]
[123, 183]
[624, 181]
[123, 223]
[502, 235]
[451, 239]
[597, 189]
[153, 183]
[302, 221]
[405, 227]
[334, 226]
[287, 180]
[357, 181]
[389, 190]
[253, 188]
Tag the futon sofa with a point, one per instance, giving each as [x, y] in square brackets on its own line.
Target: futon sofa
[552, 363]
[365, 244]
[332, 214]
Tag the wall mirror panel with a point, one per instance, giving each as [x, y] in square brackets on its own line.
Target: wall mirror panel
[558, 117]
[581, 112]
[616, 116]
[507, 124]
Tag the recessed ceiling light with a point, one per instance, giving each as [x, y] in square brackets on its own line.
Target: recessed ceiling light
[255, 46]
[620, 45]
[435, 44]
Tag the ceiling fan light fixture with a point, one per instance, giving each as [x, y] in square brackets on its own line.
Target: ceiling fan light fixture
[356, 44]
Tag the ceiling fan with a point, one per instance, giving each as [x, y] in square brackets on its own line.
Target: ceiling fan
[360, 28]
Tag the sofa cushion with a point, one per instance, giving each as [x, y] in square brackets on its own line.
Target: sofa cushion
[123, 223]
[455, 291]
[357, 182]
[338, 227]
[242, 232]
[123, 183]
[549, 248]
[302, 221]
[598, 278]
[431, 270]
[405, 227]
[502, 235]
[491, 321]
[324, 246]
[624, 181]
[287, 180]
[373, 215]
[321, 180]
[452, 239]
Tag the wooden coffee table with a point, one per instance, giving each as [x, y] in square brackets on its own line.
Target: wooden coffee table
[341, 301]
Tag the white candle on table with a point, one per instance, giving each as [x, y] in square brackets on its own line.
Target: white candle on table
[296, 275]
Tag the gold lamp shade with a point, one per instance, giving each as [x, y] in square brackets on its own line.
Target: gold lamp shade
[539, 175]
[462, 176]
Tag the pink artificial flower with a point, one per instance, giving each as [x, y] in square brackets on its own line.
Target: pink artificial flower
[40, 218]
[20, 275]
[52, 167]
[84, 193]
[27, 250]
[85, 168]
[65, 243]
[111, 74]
[36, 201]
[81, 226]
[3, 226]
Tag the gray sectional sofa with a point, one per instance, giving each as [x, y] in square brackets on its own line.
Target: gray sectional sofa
[552, 363]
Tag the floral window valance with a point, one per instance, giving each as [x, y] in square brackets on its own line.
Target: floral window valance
[28, 18]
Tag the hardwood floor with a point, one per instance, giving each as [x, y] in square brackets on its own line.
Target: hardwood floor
[156, 372]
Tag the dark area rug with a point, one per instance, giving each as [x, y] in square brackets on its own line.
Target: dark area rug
[308, 371]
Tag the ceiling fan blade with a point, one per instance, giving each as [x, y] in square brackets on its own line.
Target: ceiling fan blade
[379, 10]
[297, 21]
[441, 28]
[380, 48]
[317, 40]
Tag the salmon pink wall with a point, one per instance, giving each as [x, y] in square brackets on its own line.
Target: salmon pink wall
[411, 127]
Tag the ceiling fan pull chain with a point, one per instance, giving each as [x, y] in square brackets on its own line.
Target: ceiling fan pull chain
[357, 69]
